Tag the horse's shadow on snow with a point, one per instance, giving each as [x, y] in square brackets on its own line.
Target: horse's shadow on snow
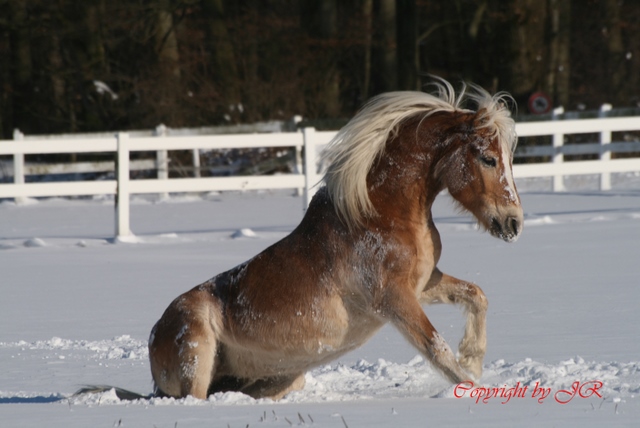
[32, 400]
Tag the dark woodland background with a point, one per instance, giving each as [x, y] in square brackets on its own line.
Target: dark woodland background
[188, 63]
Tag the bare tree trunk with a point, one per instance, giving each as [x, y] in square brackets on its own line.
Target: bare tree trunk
[21, 46]
[225, 70]
[616, 66]
[558, 77]
[248, 66]
[95, 10]
[367, 16]
[58, 86]
[166, 41]
[329, 31]
[407, 37]
[527, 46]
[474, 26]
[5, 82]
[321, 19]
[22, 64]
[386, 23]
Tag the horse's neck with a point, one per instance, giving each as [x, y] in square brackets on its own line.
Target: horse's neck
[401, 186]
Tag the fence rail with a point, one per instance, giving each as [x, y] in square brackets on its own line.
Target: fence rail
[307, 175]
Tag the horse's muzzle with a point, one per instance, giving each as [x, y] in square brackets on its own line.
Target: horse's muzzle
[508, 229]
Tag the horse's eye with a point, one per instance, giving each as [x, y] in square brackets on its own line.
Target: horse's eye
[489, 161]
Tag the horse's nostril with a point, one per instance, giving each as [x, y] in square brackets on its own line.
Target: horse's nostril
[495, 225]
[514, 225]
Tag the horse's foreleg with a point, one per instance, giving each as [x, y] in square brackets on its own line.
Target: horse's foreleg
[443, 288]
[405, 312]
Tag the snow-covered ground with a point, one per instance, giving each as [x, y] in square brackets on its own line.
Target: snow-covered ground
[76, 308]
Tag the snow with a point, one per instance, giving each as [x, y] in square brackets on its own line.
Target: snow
[77, 307]
[244, 233]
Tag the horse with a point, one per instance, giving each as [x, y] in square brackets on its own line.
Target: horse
[364, 254]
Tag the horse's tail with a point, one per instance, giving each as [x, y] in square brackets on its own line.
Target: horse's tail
[122, 394]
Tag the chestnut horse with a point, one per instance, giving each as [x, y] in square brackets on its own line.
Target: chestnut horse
[365, 253]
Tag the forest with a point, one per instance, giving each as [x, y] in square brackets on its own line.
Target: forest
[101, 65]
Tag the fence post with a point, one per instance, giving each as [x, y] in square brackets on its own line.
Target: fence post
[605, 150]
[295, 121]
[299, 169]
[18, 166]
[162, 159]
[196, 163]
[558, 156]
[310, 165]
[122, 191]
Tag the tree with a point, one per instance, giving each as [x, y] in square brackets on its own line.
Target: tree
[367, 24]
[407, 57]
[205, 62]
[166, 41]
[527, 49]
[320, 19]
[21, 66]
[223, 69]
[558, 75]
[386, 46]
[615, 47]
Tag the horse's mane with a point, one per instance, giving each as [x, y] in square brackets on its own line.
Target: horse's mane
[353, 150]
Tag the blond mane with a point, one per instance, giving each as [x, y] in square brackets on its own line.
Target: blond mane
[351, 153]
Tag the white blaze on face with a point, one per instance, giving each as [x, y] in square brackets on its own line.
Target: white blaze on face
[507, 176]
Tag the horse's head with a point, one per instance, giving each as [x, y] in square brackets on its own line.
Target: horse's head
[471, 153]
[477, 171]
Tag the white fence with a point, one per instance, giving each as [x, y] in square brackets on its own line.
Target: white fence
[558, 167]
[309, 139]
